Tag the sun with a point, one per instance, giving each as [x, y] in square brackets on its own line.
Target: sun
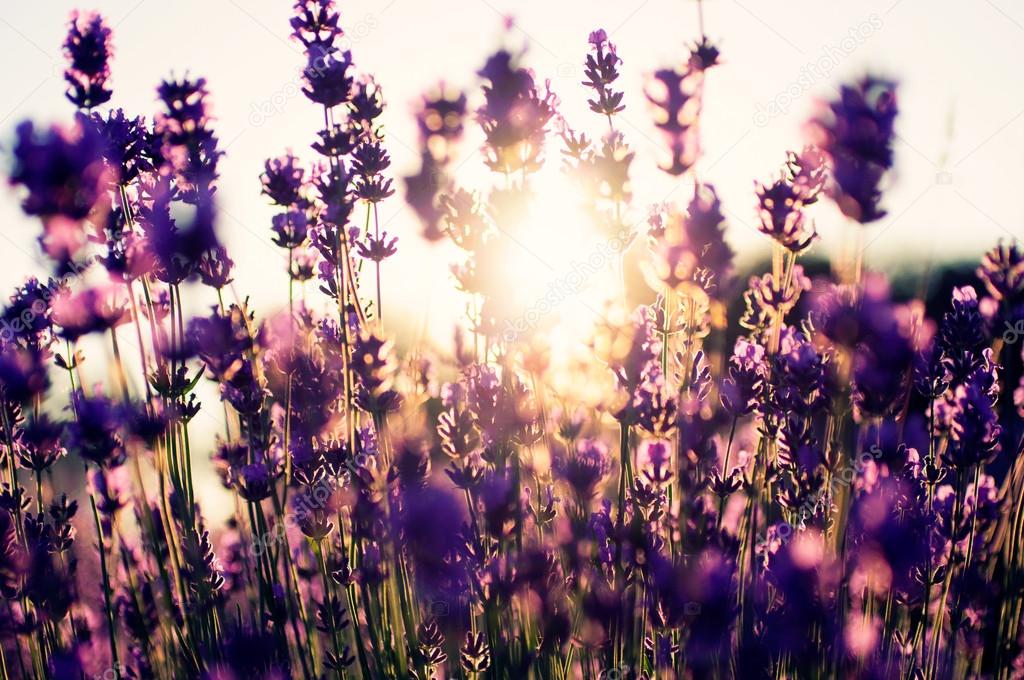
[563, 270]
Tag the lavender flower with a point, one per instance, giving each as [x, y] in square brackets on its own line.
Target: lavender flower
[584, 469]
[283, 180]
[315, 23]
[88, 50]
[857, 131]
[781, 215]
[602, 70]
[677, 98]
[792, 507]
[188, 141]
[1002, 271]
[747, 372]
[514, 115]
[328, 78]
[94, 435]
[61, 170]
[126, 143]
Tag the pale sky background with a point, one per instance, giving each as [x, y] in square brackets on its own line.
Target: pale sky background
[956, 190]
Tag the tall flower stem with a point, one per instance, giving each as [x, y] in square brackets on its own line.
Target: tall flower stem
[111, 627]
[376, 234]
[725, 469]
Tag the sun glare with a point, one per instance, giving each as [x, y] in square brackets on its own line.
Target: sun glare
[565, 269]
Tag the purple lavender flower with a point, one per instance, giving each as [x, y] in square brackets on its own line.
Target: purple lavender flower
[88, 50]
[377, 249]
[428, 527]
[327, 76]
[441, 120]
[221, 341]
[656, 409]
[290, 228]
[1002, 271]
[374, 367]
[767, 299]
[584, 469]
[857, 131]
[40, 444]
[88, 311]
[781, 215]
[806, 172]
[256, 480]
[369, 160]
[882, 374]
[677, 100]
[601, 70]
[337, 140]
[30, 314]
[334, 187]
[125, 143]
[12, 557]
[283, 180]
[201, 568]
[747, 372]
[514, 115]
[94, 434]
[189, 143]
[61, 170]
[214, 267]
[704, 226]
[962, 335]
[111, 488]
[23, 373]
[315, 23]
[367, 104]
[704, 54]
[475, 654]
[245, 390]
[975, 431]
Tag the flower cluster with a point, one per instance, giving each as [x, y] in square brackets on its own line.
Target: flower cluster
[817, 476]
[857, 132]
[88, 49]
[440, 121]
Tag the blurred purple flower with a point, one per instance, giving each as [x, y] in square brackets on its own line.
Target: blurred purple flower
[857, 131]
[88, 50]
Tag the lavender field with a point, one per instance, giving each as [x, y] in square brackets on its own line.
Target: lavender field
[619, 447]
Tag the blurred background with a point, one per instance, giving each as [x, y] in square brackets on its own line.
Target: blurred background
[954, 192]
